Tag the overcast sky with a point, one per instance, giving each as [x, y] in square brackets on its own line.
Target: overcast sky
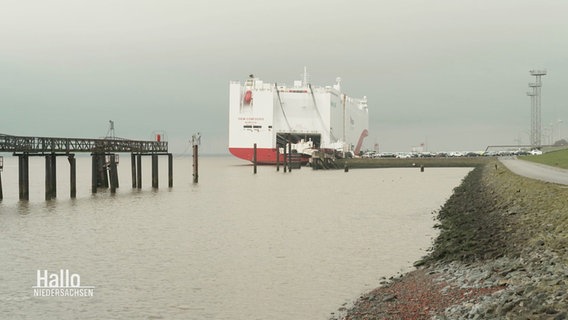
[450, 73]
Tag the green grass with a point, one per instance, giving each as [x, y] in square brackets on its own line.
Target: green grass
[556, 158]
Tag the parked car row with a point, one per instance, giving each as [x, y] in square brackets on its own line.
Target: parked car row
[409, 155]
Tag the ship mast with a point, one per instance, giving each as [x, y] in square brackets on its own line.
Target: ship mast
[305, 80]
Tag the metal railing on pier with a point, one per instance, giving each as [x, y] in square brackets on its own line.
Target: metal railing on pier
[43, 145]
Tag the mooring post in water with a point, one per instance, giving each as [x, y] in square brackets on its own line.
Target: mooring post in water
[154, 171]
[195, 142]
[285, 157]
[254, 158]
[23, 176]
[116, 159]
[1, 167]
[277, 158]
[133, 169]
[53, 175]
[170, 170]
[289, 156]
[195, 163]
[113, 172]
[72, 175]
[94, 172]
[48, 177]
[346, 169]
[139, 171]
[422, 168]
[99, 176]
[102, 170]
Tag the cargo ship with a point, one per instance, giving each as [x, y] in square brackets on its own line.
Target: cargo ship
[301, 119]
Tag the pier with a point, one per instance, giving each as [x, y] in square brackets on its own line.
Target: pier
[104, 153]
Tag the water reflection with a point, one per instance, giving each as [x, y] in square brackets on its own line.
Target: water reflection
[234, 246]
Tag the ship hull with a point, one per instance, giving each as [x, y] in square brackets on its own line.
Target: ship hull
[263, 155]
[303, 117]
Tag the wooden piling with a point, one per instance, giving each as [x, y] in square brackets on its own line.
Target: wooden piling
[20, 177]
[103, 172]
[170, 170]
[195, 163]
[254, 158]
[277, 158]
[26, 161]
[154, 171]
[422, 168]
[113, 174]
[23, 176]
[48, 177]
[1, 168]
[139, 171]
[133, 169]
[94, 173]
[72, 176]
[53, 175]
[289, 156]
[285, 157]
[116, 182]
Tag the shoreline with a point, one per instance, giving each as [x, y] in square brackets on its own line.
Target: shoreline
[432, 162]
[502, 253]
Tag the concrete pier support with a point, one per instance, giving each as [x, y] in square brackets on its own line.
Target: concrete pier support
[170, 170]
[72, 176]
[139, 171]
[154, 171]
[24, 176]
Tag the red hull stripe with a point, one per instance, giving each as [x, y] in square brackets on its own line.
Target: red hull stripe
[263, 155]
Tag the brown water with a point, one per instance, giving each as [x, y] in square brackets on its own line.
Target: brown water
[234, 246]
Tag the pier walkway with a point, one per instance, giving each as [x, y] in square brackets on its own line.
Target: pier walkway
[104, 160]
[43, 145]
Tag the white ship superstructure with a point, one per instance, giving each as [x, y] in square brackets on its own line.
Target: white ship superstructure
[310, 117]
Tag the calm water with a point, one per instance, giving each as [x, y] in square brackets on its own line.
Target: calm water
[235, 246]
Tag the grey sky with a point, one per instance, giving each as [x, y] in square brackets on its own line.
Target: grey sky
[450, 73]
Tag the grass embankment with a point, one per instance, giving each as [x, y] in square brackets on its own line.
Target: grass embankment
[555, 158]
[413, 162]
